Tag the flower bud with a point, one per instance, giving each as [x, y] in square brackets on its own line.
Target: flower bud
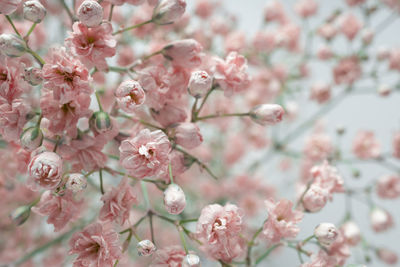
[381, 220]
[168, 11]
[33, 76]
[267, 114]
[186, 134]
[367, 35]
[199, 84]
[326, 233]
[384, 90]
[145, 248]
[90, 13]
[31, 138]
[351, 233]
[76, 182]
[315, 198]
[387, 256]
[20, 215]
[100, 122]
[130, 95]
[191, 260]
[34, 11]
[174, 199]
[184, 53]
[11, 45]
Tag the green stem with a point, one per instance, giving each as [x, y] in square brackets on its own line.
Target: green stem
[170, 173]
[222, 115]
[132, 27]
[150, 214]
[30, 31]
[266, 253]
[251, 244]
[12, 25]
[101, 181]
[98, 100]
[183, 240]
[111, 12]
[70, 14]
[37, 57]
[202, 103]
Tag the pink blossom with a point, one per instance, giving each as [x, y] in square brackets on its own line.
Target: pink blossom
[339, 250]
[199, 84]
[130, 95]
[66, 76]
[327, 31]
[315, 198]
[388, 186]
[318, 146]
[231, 74]
[93, 45]
[347, 71]
[12, 118]
[324, 52]
[267, 114]
[204, 8]
[118, 203]
[45, 170]
[96, 245]
[174, 199]
[169, 114]
[327, 177]
[146, 154]
[306, 8]
[274, 11]
[186, 134]
[351, 233]
[90, 13]
[168, 11]
[365, 145]
[322, 259]
[8, 6]
[320, 92]
[394, 59]
[11, 86]
[350, 26]
[218, 228]
[265, 41]
[60, 209]
[387, 256]
[184, 53]
[282, 220]
[381, 220]
[355, 2]
[171, 256]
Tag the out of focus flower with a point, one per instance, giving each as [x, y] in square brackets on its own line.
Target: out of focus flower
[184, 53]
[8, 6]
[365, 145]
[267, 114]
[169, 256]
[347, 71]
[381, 220]
[186, 134]
[168, 11]
[387, 256]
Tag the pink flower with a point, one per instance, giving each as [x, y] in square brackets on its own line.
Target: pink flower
[388, 186]
[274, 11]
[267, 114]
[12, 118]
[231, 74]
[354, 2]
[347, 71]
[394, 59]
[174, 199]
[318, 146]
[171, 256]
[146, 154]
[339, 250]
[315, 198]
[8, 6]
[90, 13]
[60, 209]
[218, 228]
[184, 53]
[96, 246]
[324, 52]
[118, 203]
[11, 85]
[84, 153]
[66, 76]
[396, 145]
[327, 31]
[387, 256]
[130, 95]
[168, 11]
[64, 117]
[350, 26]
[327, 177]
[169, 114]
[93, 45]
[306, 8]
[322, 259]
[265, 41]
[204, 8]
[45, 170]
[351, 233]
[199, 84]
[381, 220]
[365, 145]
[186, 134]
[320, 92]
[282, 220]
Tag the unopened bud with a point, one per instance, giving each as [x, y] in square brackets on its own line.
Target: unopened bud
[145, 248]
[33, 76]
[20, 215]
[31, 138]
[191, 260]
[199, 84]
[11, 45]
[76, 182]
[90, 13]
[186, 134]
[100, 122]
[168, 11]
[387, 256]
[351, 233]
[174, 199]
[381, 220]
[267, 114]
[34, 11]
[326, 233]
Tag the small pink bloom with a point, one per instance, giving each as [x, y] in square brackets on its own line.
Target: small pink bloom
[282, 220]
[204, 8]
[168, 11]
[118, 203]
[66, 76]
[218, 228]
[327, 31]
[186, 134]
[184, 53]
[90, 13]
[274, 11]
[267, 114]
[381, 220]
[306, 8]
[12, 118]
[146, 154]
[347, 71]
[265, 41]
[322, 259]
[327, 177]
[394, 59]
[326, 233]
[45, 170]
[171, 256]
[145, 248]
[387, 256]
[169, 114]
[324, 52]
[93, 45]
[315, 198]
[318, 146]
[96, 245]
[11, 85]
[388, 186]
[130, 95]
[367, 36]
[231, 74]
[174, 199]
[8, 6]
[60, 209]
[355, 2]
[199, 84]
[350, 25]
[235, 41]
[365, 145]
[351, 233]
[339, 250]
[320, 92]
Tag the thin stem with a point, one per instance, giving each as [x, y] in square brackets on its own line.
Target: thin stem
[170, 173]
[70, 14]
[30, 31]
[222, 115]
[305, 241]
[202, 103]
[150, 214]
[38, 58]
[251, 244]
[101, 181]
[152, 55]
[266, 253]
[188, 220]
[111, 12]
[145, 194]
[12, 25]
[98, 100]
[132, 27]
[182, 236]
